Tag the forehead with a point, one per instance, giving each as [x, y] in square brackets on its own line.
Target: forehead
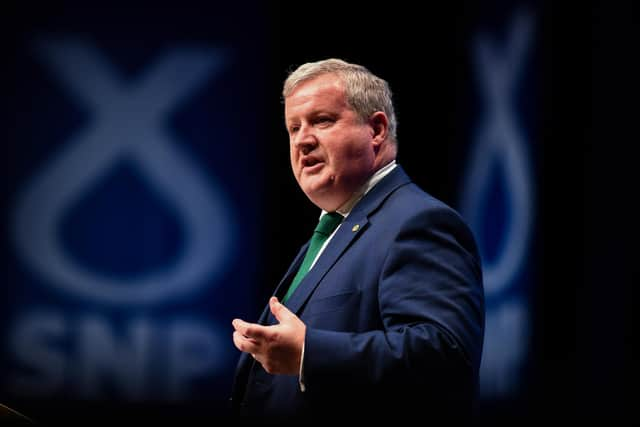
[325, 92]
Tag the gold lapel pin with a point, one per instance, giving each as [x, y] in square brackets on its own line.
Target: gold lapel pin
[355, 228]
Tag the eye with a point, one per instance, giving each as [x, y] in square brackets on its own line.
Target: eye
[294, 129]
[324, 121]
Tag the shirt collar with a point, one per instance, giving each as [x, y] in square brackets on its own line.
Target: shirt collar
[346, 208]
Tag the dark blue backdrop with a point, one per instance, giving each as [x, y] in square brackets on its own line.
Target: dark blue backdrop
[148, 198]
[132, 200]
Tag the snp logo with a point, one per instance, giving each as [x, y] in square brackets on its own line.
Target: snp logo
[127, 124]
[500, 145]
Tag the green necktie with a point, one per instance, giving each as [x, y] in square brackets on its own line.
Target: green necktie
[328, 223]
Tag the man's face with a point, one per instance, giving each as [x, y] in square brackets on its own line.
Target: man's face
[332, 150]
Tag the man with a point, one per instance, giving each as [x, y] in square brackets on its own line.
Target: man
[384, 313]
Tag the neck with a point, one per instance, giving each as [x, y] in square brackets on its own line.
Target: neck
[386, 154]
[373, 180]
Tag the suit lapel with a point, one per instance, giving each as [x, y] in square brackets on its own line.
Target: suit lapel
[355, 225]
[282, 287]
[338, 244]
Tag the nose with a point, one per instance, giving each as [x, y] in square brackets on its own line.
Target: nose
[304, 140]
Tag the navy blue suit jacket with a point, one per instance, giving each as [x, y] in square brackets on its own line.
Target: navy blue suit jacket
[394, 311]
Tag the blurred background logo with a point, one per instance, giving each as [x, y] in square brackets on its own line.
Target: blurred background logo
[498, 200]
[128, 227]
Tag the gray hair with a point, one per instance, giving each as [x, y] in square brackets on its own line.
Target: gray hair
[365, 92]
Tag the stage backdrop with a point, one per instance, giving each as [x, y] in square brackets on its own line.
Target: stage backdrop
[148, 197]
[133, 183]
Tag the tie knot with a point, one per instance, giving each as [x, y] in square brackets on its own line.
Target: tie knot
[328, 223]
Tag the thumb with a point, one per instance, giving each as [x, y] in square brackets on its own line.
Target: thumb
[280, 312]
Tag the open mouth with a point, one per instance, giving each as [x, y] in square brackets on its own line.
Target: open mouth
[311, 164]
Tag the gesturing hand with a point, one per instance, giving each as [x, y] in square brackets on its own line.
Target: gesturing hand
[278, 348]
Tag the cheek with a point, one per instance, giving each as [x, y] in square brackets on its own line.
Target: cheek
[352, 155]
[292, 159]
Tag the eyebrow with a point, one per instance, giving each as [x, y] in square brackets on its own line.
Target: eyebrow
[318, 112]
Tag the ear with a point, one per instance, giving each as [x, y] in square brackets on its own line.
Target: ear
[379, 123]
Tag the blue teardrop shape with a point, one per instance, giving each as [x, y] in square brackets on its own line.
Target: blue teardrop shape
[123, 228]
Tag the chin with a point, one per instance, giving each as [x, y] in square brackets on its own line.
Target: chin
[323, 192]
[315, 186]
[324, 204]
[329, 201]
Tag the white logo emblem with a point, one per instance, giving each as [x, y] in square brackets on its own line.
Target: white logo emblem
[499, 143]
[127, 119]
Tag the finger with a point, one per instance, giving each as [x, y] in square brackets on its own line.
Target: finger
[258, 358]
[280, 312]
[249, 330]
[237, 341]
[244, 344]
